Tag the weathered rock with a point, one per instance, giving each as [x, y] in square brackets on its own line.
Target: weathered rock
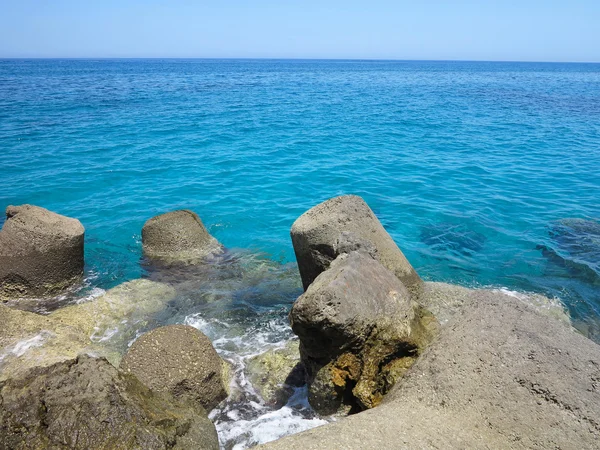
[316, 238]
[276, 372]
[86, 403]
[41, 252]
[180, 360]
[103, 326]
[353, 322]
[500, 375]
[178, 236]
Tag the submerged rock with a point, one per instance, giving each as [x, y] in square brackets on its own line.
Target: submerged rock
[354, 322]
[500, 375]
[276, 372]
[86, 403]
[41, 252]
[178, 236]
[181, 361]
[450, 237]
[316, 237]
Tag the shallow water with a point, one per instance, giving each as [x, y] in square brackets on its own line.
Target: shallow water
[473, 168]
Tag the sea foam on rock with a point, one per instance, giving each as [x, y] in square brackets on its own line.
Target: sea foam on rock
[179, 360]
[41, 252]
[178, 236]
[85, 403]
[359, 331]
[502, 374]
[316, 238]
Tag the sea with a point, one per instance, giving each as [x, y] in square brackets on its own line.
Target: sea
[486, 174]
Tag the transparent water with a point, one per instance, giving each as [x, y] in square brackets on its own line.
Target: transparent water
[474, 169]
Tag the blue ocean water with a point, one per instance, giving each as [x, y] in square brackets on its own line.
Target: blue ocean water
[472, 167]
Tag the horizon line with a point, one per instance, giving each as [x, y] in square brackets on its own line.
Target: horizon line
[233, 58]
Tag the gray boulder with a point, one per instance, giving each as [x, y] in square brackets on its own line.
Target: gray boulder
[178, 236]
[359, 331]
[181, 361]
[501, 374]
[86, 403]
[318, 240]
[41, 252]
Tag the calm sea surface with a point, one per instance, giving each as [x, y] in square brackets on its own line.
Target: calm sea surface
[477, 170]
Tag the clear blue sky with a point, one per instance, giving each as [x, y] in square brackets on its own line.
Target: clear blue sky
[516, 30]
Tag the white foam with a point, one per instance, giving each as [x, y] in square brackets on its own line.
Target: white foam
[22, 347]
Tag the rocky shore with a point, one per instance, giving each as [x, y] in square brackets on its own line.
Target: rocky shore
[400, 362]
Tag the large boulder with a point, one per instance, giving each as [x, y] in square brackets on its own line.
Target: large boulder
[181, 361]
[275, 373]
[501, 374]
[318, 238]
[41, 252]
[359, 331]
[178, 236]
[86, 403]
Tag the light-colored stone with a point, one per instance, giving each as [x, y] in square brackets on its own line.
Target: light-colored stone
[178, 236]
[501, 375]
[353, 321]
[179, 360]
[316, 236]
[41, 252]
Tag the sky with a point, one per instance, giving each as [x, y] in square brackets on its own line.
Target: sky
[503, 30]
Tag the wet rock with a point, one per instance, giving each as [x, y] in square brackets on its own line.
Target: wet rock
[178, 236]
[354, 321]
[276, 372]
[41, 252]
[86, 403]
[181, 361]
[103, 326]
[316, 239]
[499, 375]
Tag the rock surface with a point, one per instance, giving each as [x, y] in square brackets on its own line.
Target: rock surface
[103, 326]
[355, 322]
[316, 238]
[181, 361]
[178, 236]
[86, 403]
[276, 372]
[41, 252]
[500, 375]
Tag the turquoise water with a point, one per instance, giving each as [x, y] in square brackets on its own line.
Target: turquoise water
[469, 165]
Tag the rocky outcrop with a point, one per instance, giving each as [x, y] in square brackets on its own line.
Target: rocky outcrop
[275, 373]
[86, 403]
[41, 252]
[502, 374]
[178, 236]
[103, 326]
[318, 239]
[359, 331]
[181, 361]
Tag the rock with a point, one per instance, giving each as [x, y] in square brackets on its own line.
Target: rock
[41, 252]
[500, 375]
[275, 373]
[354, 321]
[103, 326]
[178, 236]
[316, 235]
[181, 361]
[86, 403]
